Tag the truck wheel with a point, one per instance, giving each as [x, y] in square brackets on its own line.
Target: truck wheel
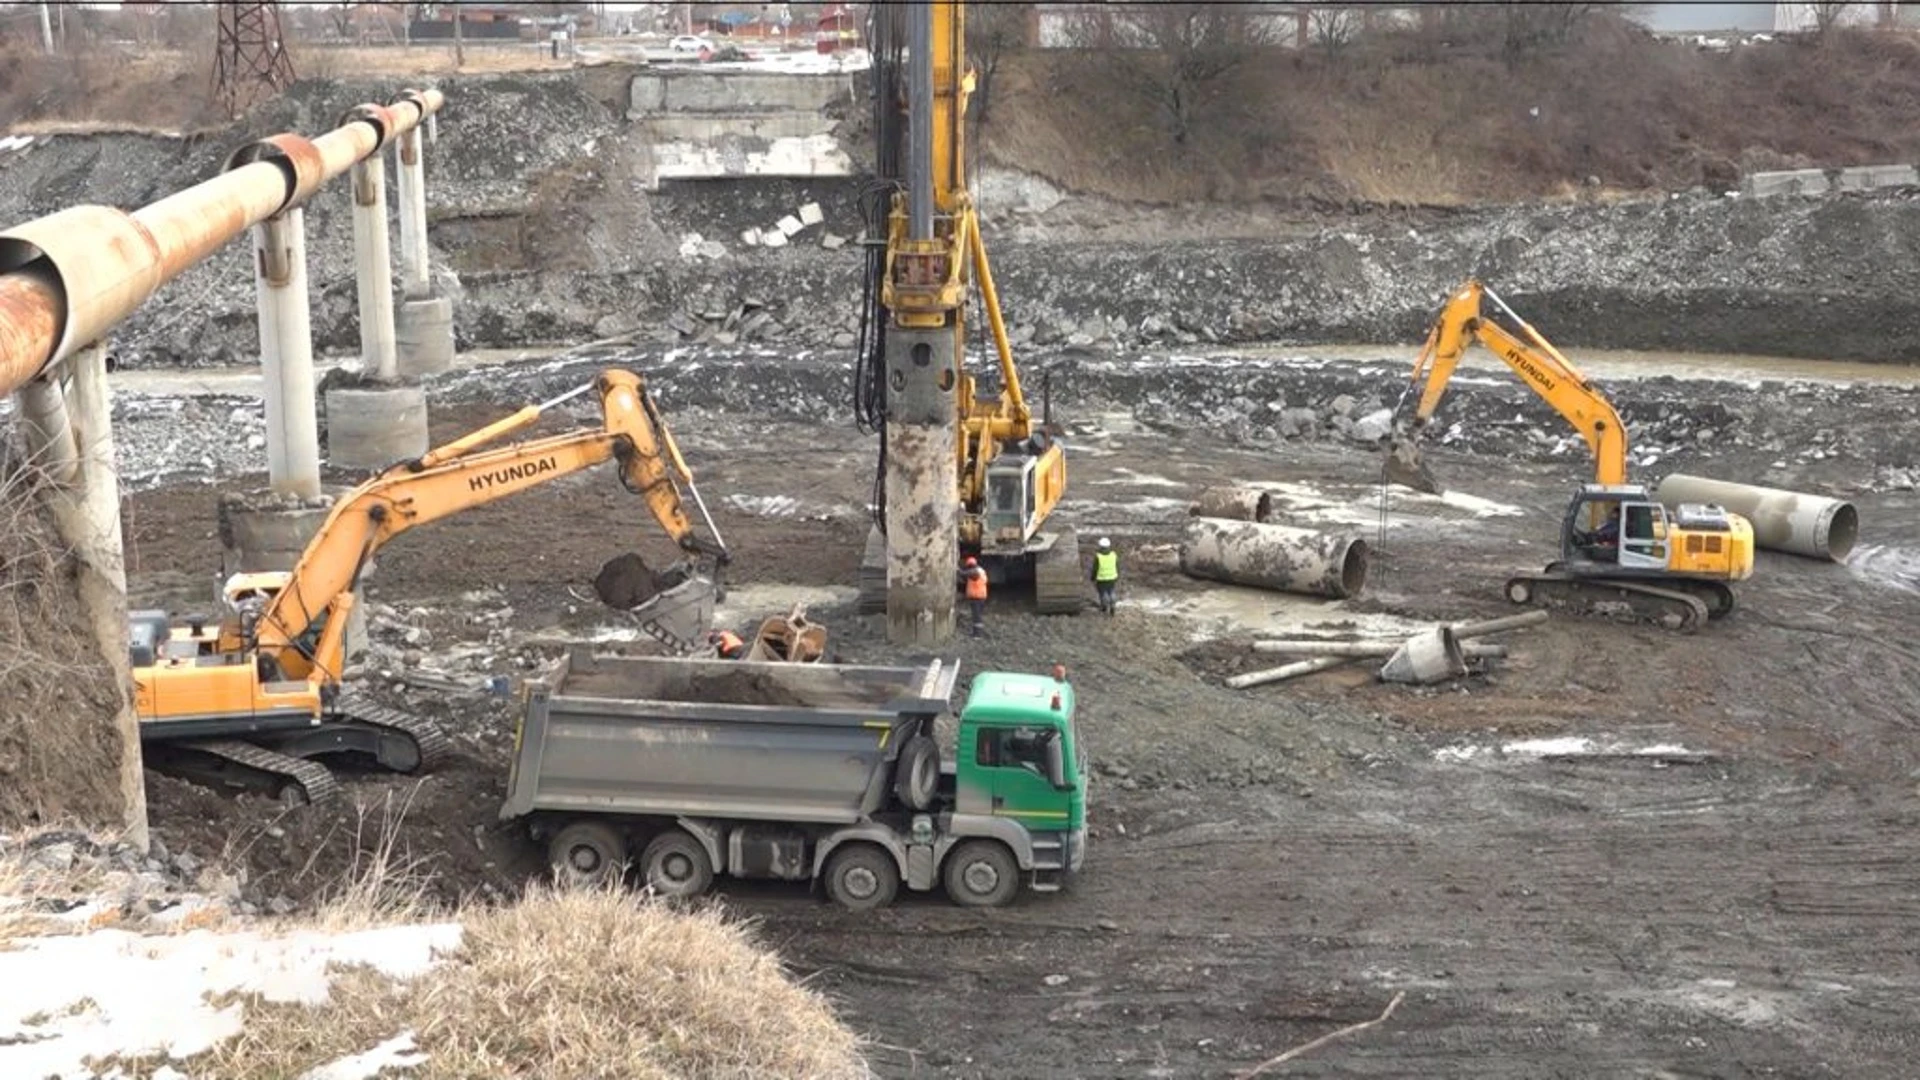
[677, 865]
[862, 877]
[587, 854]
[916, 778]
[982, 873]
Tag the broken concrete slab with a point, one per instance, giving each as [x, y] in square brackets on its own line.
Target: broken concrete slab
[773, 239]
[1870, 177]
[789, 225]
[832, 242]
[811, 214]
[1789, 182]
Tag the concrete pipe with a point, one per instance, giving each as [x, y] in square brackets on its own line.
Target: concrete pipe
[1428, 657]
[1274, 557]
[374, 427]
[1790, 521]
[1234, 504]
[423, 331]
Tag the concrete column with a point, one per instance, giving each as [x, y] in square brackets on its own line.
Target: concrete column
[923, 530]
[415, 279]
[373, 269]
[47, 430]
[86, 513]
[286, 355]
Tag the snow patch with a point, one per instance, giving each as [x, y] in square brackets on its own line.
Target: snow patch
[1562, 746]
[113, 993]
[399, 1052]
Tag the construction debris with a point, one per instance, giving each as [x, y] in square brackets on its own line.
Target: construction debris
[1436, 654]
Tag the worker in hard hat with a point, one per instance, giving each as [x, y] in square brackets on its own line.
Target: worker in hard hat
[973, 579]
[1105, 573]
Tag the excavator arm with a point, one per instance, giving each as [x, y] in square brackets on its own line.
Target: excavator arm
[1532, 357]
[465, 473]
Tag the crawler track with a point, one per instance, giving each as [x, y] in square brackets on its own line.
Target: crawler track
[1672, 608]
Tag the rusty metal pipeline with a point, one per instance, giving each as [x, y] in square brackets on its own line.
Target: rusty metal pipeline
[67, 279]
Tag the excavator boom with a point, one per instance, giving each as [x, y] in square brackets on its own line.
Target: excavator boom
[249, 701]
[1546, 372]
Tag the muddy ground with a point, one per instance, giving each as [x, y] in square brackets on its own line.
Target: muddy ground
[1621, 852]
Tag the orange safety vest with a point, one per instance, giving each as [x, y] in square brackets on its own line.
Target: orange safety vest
[730, 643]
[976, 584]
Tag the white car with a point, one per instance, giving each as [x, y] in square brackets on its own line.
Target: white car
[689, 43]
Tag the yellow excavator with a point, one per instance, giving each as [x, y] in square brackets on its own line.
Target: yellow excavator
[1009, 474]
[249, 700]
[1619, 547]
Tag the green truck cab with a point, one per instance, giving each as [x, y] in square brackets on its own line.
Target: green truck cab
[1018, 760]
[801, 772]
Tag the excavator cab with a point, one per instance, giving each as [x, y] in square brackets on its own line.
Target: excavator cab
[1011, 500]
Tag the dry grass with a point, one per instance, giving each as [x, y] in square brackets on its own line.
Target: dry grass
[59, 748]
[569, 985]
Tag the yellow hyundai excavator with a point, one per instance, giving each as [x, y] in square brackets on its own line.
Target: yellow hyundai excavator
[1618, 545]
[1009, 475]
[248, 700]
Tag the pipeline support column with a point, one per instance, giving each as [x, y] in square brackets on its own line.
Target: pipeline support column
[425, 326]
[286, 355]
[71, 431]
[384, 420]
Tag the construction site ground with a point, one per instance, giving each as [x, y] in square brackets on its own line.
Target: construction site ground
[1620, 852]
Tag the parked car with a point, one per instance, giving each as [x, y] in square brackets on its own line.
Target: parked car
[689, 43]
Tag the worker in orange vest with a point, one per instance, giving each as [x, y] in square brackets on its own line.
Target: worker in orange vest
[727, 644]
[975, 578]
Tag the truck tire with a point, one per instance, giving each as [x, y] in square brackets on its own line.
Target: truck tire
[677, 865]
[916, 776]
[588, 854]
[862, 877]
[981, 873]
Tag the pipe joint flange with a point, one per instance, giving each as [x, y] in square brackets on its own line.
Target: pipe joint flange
[296, 157]
[378, 117]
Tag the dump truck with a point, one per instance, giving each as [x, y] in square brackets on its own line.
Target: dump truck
[825, 773]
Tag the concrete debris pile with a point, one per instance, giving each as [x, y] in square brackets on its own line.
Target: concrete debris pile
[790, 226]
[64, 879]
[1434, 655]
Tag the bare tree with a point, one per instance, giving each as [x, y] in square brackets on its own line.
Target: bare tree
[1332, 27]
[993, 30]
[1177, 56]
[342, 18]
[1826, 14]
[1521, 28]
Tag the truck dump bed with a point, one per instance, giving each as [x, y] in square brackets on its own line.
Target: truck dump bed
[718, 738]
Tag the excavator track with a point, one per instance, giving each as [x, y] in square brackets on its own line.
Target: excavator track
[873, 574]
[1716, 595]
[1057, 585]
[291, 779]
[1671, 608]
[434, 746]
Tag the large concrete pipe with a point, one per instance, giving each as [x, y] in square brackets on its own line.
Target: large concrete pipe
[1233, 503]
[286, 354]
[1274, 557]
[1790, 521]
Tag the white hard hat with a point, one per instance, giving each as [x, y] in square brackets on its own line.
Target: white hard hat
[1105, 543]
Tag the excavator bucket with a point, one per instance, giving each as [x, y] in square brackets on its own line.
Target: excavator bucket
[1405, 466]
[673, 606]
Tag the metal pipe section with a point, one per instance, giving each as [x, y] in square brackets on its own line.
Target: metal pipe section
[373, 269]
[1286, 671]
[286, 355]
[68, 278]
[1234, 504]
[1791, 521]
[920, 120]
[1274, 557]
